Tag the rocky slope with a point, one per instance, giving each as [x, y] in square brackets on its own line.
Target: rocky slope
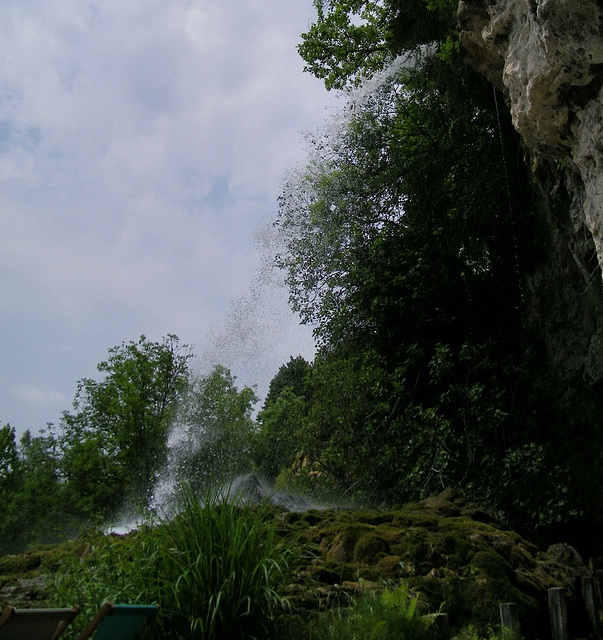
[455, 555]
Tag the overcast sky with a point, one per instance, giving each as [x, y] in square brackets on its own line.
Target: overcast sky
[142, 148]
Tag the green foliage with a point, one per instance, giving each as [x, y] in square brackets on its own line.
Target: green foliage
[345, 390]
[352, 40]
[280, 422]
[10, 464]
[388, 225]
[348, 40]
[442, 547]
[114, 441]
[214, 568]
[108, 568]
[295, 376]
[307, 477]
[407, 233]
[471, 633]
[391, 615]
[220, 581]
[215, 429]
[277, 440]
[368, 435]
[421, 22]
[34, 509]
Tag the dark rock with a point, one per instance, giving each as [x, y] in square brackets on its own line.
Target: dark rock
[249, 489]
[566, 554]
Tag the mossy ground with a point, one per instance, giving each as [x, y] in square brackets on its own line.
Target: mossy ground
[458, 558]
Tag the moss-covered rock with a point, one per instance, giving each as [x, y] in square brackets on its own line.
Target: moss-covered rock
[455, 555]
[370, 548]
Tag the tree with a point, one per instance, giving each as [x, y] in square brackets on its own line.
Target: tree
[280, 429]
[34, 509]
[351, 40]
[347, 41]
[10, 464]
[293, 375]
[405, 209]
[280, 422]
[214, 429]
[413, 226]
[114, 441]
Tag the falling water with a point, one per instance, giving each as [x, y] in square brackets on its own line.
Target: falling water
[260, 332]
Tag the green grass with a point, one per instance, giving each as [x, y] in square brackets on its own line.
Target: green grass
[223, 563]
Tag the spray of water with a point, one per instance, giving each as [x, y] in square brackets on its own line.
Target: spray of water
[258, 336]
[261, 332]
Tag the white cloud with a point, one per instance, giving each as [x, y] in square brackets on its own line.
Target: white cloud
[141, 144]
[33, 395]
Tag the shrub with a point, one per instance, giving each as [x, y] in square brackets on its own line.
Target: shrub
[220, 563]
[391, 615]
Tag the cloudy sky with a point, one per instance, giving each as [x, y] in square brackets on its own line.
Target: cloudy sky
[142, 149]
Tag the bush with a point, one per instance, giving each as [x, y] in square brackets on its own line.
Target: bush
[391, 615]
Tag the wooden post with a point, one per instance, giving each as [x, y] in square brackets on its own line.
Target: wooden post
[589, 596]
[509, 621]
[440, 630]
[599, 588]
[558, 614]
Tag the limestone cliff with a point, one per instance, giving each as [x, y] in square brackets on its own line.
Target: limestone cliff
[546, 58]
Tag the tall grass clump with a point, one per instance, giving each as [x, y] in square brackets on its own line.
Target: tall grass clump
[214, 568]
[221, 563]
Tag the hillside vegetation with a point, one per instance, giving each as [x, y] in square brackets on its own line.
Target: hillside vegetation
[446, 552]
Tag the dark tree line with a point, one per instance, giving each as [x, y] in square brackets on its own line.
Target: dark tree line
[413, 236]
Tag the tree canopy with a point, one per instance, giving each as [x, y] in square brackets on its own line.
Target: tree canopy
[411, 236]
[115, 438]
[215, 428]
[353, 39]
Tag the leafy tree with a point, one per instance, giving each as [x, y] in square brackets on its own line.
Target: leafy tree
[280, 422]
[293, 375]
[353, 39]
[280, 427]
[10, 464]
[348, 40]
[412, 227]
[11, 481]
[215, 427]
[390, 204]
[114, 441]
[422, 22]
[34, 510]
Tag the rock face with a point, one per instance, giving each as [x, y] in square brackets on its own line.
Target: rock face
[546, 58]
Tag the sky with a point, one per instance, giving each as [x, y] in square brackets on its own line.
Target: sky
[143, 145]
